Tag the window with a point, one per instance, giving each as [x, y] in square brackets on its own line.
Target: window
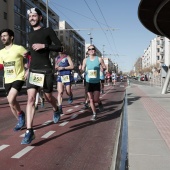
[5, 15]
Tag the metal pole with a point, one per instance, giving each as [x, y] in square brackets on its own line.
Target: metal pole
[91, 40]
[103, 51]
[165, 85]
[47, 13]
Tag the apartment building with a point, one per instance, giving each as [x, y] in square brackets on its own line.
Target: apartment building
[73, 42]
[157, 53]
[138, 65]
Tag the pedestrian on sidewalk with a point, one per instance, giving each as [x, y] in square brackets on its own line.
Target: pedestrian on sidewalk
[41, 41]
[11, 56]
[64, 66]
[91, 65]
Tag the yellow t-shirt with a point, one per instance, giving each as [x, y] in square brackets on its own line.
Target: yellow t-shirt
[12, 59]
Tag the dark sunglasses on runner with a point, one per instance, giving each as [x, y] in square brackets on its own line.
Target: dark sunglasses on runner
[91, 49]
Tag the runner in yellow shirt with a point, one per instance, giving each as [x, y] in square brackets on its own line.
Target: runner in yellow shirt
[11, 56]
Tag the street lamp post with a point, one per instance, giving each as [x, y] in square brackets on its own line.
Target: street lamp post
[47, 13]
[90, 38]
[103, 51]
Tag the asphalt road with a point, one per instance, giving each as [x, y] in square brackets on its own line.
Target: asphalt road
[75, 143]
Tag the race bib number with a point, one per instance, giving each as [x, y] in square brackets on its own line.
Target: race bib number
[65, 79]
[92, 73]
[9, 68]
[36, 79]
[10, 72]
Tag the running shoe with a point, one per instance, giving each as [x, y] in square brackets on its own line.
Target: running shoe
[100, 106]
[56, 116]
[60, 109]
[93, 118]
[70, 99]
[36, 107]
[86, 106]
[29, 136]
[21, 122]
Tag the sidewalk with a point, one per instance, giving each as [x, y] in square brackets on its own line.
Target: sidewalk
[148, 128]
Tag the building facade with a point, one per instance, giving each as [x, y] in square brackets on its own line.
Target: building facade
[73, 42]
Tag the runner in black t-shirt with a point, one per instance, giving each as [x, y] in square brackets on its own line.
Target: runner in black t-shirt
[40, 71]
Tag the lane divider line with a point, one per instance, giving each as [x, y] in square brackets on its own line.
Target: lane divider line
[81, 111]
[48, 134]
[63, 124]
[23, 152]
[47, 122]
[73, 116]
[69, 110]
[3, 147]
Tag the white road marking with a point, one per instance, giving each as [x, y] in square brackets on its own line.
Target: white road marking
[47, 122]
[122, 86]
[76, 106]
[3, 147]
[81, 111]
[23, 152]
[74, 116]
[63, 124]
[69, 110]
[48, 134]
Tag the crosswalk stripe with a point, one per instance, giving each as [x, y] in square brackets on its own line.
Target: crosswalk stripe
[23, 152]
[48, 134]
[81, 111]
[76, 106]
[3, 147]
[63, 124]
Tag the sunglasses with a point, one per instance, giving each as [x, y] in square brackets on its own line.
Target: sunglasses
[91, 49]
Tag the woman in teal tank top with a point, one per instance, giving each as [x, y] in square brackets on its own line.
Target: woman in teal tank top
[92, 64]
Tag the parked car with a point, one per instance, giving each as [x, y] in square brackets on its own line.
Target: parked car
[142, 78]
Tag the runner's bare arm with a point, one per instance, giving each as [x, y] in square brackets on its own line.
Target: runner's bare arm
[84, 65]
[71, 66]
[102, 63]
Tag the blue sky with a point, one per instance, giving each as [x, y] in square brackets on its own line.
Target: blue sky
[122, 45]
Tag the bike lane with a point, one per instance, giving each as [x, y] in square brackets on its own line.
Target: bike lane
[74, 143]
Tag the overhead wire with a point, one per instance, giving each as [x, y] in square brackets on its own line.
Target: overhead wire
[95, 20]
[66, 16]
[76, 12]
[100, 26]
[107, 25]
